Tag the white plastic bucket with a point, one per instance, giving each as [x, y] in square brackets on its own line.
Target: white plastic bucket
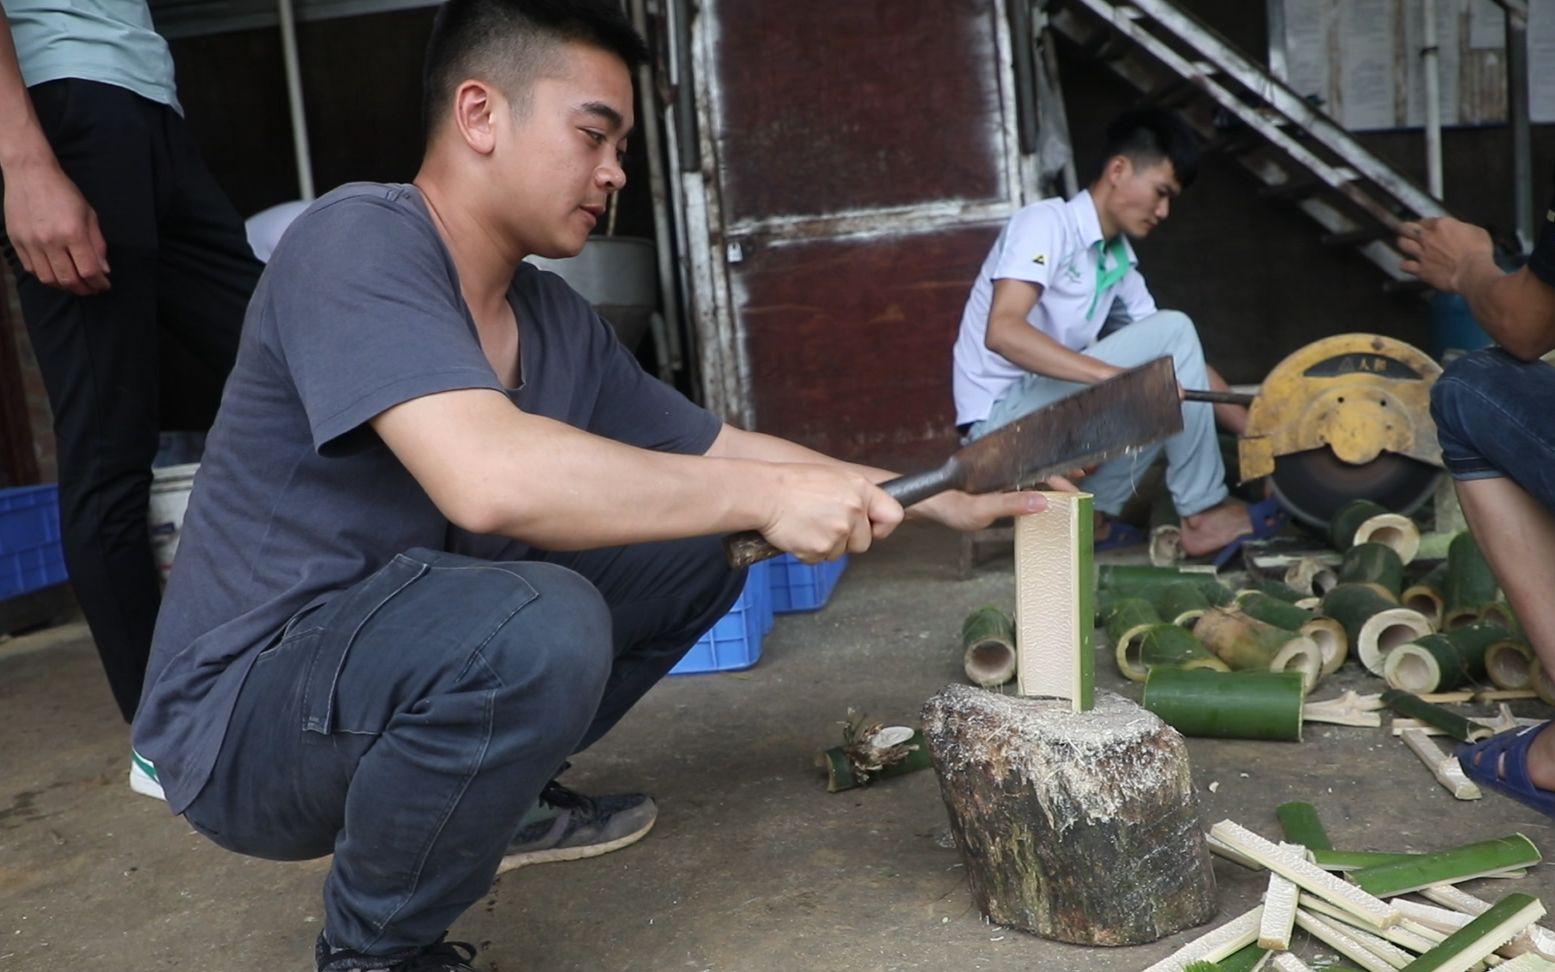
[170, 486]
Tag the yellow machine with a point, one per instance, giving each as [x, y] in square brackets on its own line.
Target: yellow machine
[1343, 418]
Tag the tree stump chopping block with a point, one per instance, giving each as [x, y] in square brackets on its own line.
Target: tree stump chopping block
[1080, 827]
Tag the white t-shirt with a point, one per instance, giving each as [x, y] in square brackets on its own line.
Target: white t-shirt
[1054, 244]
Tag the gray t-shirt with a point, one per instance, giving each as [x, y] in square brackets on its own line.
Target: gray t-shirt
[297, 498]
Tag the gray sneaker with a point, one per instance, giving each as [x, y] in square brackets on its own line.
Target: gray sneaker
[441, 957]
[567, 826]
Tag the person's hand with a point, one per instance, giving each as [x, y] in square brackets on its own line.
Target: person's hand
[1437, 250]
[822, 512]
[966, 512]
[54, 230]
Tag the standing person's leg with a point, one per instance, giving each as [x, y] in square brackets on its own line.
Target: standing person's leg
[98, 359]
[406, 726]
[1490, 411]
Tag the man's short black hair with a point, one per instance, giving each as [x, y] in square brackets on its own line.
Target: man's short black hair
[1147, 136]
[511, 43]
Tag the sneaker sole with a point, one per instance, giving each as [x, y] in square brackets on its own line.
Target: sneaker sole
[143, 784]
[515, 861]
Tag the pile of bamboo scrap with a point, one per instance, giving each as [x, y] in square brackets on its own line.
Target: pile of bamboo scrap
[1378, 911]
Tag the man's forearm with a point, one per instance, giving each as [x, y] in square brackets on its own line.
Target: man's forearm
[1026, 347]
[1516, 309]
[21, 137]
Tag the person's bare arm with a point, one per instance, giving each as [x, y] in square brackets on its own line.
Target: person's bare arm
[491, 468]
[1012, 337]
[52, 227]
[1516, 309]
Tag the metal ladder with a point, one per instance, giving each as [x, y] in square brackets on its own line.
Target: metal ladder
[1298, 153]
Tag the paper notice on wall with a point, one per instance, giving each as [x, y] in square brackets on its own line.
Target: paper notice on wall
[1306, 48]
[1541, 61]
[1366, 66]
[1448, 39]
[1487, 26]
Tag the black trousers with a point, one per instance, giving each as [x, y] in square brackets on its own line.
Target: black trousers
[152, 352]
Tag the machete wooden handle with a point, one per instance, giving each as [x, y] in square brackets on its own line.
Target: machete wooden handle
[750, 547]
[1218, 397]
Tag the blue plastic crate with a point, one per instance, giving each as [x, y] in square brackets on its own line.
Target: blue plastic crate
[803, 587]
[734, 642]
[30, 553]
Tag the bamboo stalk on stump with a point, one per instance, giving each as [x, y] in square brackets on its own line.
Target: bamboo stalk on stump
[1363, 521]
[1469, 586]
[1442, 662]
[1082, 828]
[1374, 622]
[1328, 634]
[1247, 644]
[988, 646]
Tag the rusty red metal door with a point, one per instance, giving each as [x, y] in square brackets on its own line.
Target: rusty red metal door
[854, 162]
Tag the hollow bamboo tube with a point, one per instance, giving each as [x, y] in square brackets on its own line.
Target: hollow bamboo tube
[1374, 623]
[1247, 644]
[1126, 623]
[1425, 595]
[1540, 680]
[1227, 705]
[1375, 563]
[1442, 662]
[1501, 613]
[1172, 646]
[1326, 633]
[1509, 664]
[1180, 602]
[1363, 521]
[1276, 589]
[988, 646]
[1469, 586]
[1310, 576]
[1454, 725]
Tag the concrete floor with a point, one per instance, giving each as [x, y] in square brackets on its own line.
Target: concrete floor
[753, 865]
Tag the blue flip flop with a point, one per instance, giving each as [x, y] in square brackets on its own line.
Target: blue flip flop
[1120, 534]
[1268, 517]
[1509, 751]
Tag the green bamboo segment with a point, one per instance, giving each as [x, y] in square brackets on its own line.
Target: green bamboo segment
[1363, 521]
[1202, 966]
[1300, 822]
[1277, 589]
[1447, 866]
[1467, 946]
[1227, 705]
[1376, 563]
[1540, 681]
[1501, 613]
[1175, 647]
[1469, 586]
[1180, 602]
[1339, 860]
[1509, 664]
[1126, 623]
[1139, 580]
[1244, 959]
[1454, 725]
[1310, 576]
[1373, 622]
[988, 646]
[1425, 595]
[1442, 662]
[1328, 634]
[1247, 644]
[841, 773]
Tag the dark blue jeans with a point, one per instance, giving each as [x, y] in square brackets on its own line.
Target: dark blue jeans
[407, 724]
[1493, 418]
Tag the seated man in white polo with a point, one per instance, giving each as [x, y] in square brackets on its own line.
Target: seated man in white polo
[1059, 303]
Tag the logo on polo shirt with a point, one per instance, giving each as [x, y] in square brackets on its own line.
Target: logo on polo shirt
[1041, 258]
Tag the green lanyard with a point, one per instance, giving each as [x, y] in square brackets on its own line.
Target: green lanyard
[1107, 276]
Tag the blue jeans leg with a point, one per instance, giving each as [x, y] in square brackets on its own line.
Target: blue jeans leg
[406, 726]
[1492, 419]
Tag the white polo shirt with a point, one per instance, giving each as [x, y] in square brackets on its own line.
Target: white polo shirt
[1055, 244]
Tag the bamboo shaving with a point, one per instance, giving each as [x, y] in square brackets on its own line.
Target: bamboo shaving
[1372, 912]
[1345, 943]
[1235, 934]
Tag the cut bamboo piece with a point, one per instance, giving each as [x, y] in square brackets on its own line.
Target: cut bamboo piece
[1248, 958]
[1346, 860]
[1442, 764]
[1053, 619]
[1480, 938]
[1456, 726]
[876, 753]
[1229, 938]
[1363, 521]
[1372, 563]
[1311, 576]
[1469, 586]
[1527, 962]
[1537, 938]
[1227, 705]
[1326, 633]
[1126, 622]
[1373, 623]
[1444, 920]
[1169, 646]
[1348, 709]
[1425, 595]
[1539, 681]
[1279, 908]
[1442, 662]
[1287, 962]
[1370, 912]
[1302, 825]
[1505, 695]
[1450, 866]
[1342, 940]
[1180, 602]
[1136, 580]
[1221, 849]
[1276, 589]
[1501, 613]
[1406, 934]
[1247, 644]
[988, 646]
